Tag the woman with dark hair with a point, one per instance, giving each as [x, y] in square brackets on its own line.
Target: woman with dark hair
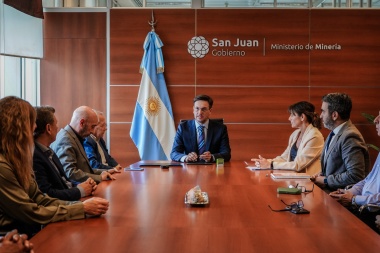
[23, 206]
[305, 144]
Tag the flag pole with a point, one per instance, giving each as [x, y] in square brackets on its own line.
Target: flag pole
[152, 23]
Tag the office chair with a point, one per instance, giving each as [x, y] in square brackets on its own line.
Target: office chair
[220, 120]
[367, 213]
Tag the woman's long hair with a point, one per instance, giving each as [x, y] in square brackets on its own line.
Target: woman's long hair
[17, 121]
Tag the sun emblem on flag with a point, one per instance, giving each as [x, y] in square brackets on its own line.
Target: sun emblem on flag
[152, 106]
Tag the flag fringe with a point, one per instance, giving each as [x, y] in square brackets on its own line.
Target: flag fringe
[159, 70]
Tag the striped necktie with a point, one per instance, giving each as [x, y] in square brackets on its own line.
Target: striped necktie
[201, 140]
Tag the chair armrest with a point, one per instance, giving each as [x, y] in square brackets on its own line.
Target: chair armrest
[369, 207]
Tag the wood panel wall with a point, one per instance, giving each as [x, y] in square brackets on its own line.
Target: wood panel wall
[252, 93]
[73, 70]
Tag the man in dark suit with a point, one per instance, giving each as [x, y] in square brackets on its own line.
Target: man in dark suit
[345, 158]
[96, 149]
[69, 147]
[201, 139]
[50, 177]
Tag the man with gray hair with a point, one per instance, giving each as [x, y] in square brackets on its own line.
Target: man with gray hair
[96, 150]
[69, 146]
[345, 158]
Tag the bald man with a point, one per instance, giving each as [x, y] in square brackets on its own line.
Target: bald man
[69, 147]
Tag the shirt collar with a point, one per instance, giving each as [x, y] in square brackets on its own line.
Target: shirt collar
[78, 136]
[205, 124]
[46, 150]
[337, 129]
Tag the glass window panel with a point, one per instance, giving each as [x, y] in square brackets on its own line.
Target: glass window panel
[152, 3]
[170, 3]
[12, 76]
[20, 77]
[31, 80]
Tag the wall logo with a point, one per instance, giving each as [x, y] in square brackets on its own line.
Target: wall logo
[198, 47]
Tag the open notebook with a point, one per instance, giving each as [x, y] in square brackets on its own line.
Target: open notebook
[290, 175]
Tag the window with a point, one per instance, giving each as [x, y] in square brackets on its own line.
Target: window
[20, 77]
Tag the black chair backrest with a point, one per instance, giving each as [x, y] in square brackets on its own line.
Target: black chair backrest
[220, 120]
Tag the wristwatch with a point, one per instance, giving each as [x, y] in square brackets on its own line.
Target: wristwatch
[325, 181]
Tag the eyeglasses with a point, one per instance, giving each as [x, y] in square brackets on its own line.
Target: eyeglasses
[293, 205]
[303, 188]
[204, 109]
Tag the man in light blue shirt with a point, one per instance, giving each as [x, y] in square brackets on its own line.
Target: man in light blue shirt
[364, 192]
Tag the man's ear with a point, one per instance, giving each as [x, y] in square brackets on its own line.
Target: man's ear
[335, 115]
[82, 122]
[48, 128]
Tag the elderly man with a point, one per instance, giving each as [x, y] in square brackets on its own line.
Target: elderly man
[50, 176]
[69, 147]
[96, 149]
[345, 157]
[366, 191]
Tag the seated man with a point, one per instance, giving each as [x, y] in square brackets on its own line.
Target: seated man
[366, 191]
[69, 147]
[50, 177]
[345, 157]
[201, 139]
[96, 150]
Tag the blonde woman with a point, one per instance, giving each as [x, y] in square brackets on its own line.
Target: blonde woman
[305, 144]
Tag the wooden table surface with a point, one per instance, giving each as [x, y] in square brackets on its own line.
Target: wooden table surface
[147, 214]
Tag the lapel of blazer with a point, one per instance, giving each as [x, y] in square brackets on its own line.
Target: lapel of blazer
[93, 143]
[51, 166]
[102, 145]
[335, 140]
[78, 143]
[58, 163]
[193, 135]
[293, 139]
[210, 133]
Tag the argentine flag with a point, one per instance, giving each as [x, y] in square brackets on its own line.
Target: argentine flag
[153, 129]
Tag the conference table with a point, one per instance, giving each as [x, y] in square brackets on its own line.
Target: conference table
[147, 213]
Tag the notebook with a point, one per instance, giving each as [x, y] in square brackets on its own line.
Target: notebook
[290, 175]
[158, 163]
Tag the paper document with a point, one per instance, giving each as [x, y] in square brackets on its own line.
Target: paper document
[291, 175]
[254, 168]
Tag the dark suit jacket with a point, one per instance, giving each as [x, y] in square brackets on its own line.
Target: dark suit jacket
[93, 155]
[347, 159]
[217, 141]
[48, 179]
